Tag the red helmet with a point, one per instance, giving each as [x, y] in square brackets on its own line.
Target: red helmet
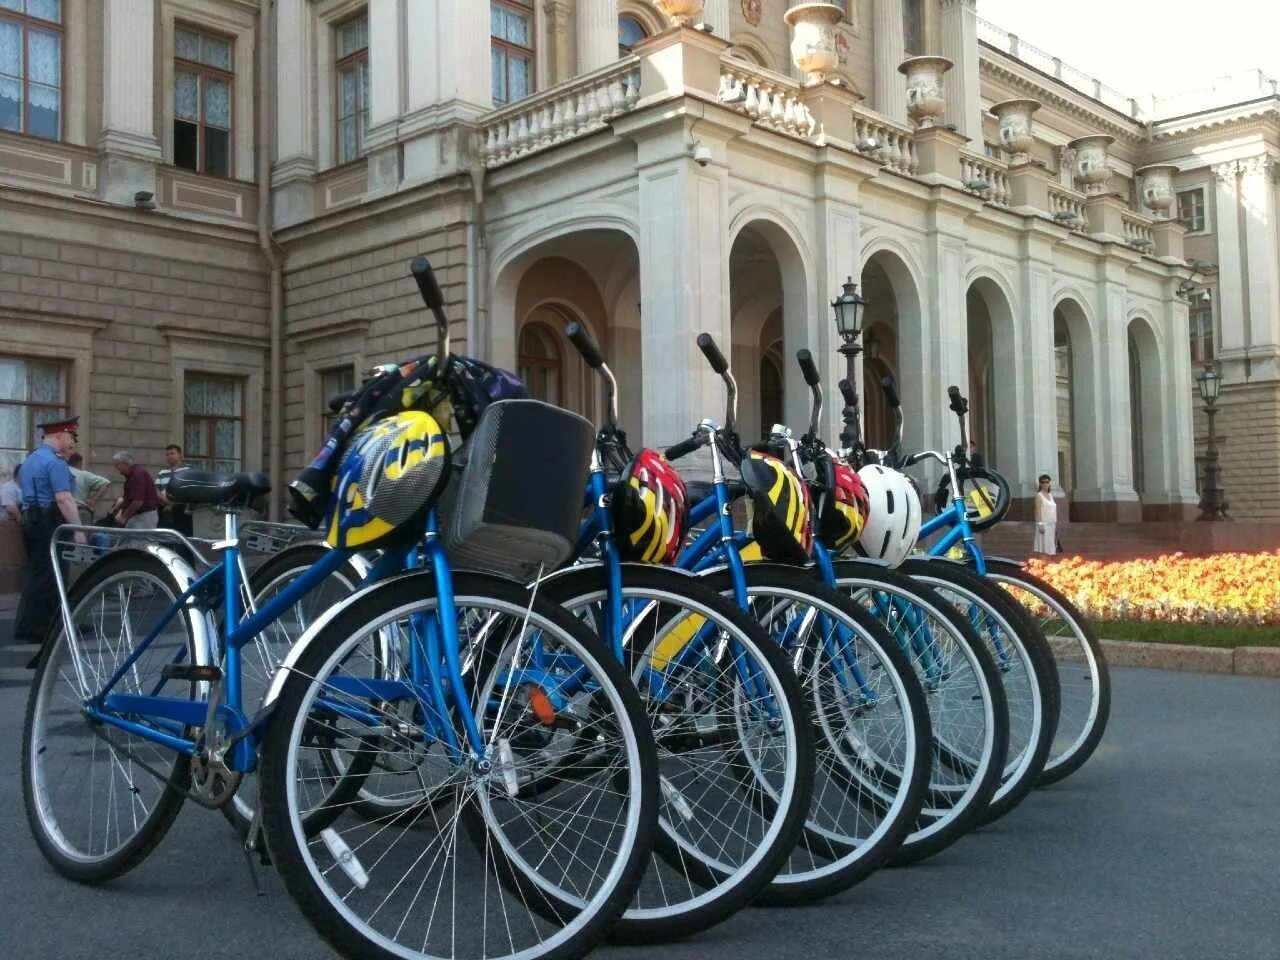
[843, 506]
[649, 509]
[780, 508]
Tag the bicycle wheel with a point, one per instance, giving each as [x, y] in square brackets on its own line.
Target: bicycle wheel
[560, 810]
[1083, 677]
[871, 730]
[99, 798]
[1026, 666]
[735, 751]
[260, 658]
[968, 712]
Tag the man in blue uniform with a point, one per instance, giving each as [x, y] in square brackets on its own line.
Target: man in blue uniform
[48, 500]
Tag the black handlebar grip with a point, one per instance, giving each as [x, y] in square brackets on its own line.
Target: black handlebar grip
[684, 447]
[890, 389]
[714, 357]
[339, 400]
[808, 368]
[850, 395]
[427, 285]
[958, 403]
[579, 337]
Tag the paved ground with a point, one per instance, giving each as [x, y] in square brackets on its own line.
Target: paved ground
[1164, 846]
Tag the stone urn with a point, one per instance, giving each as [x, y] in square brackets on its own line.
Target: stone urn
[813, 39]
[1157, 187]
[925, 105]
[1015, 126]
[683, 12]
[1092, 171]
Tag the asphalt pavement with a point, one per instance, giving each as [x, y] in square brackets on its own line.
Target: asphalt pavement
[1164, 846]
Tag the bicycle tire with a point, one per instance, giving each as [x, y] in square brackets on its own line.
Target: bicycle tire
[982, 701]
[37, 736]
[827, 862]
[1079, 646]
[726, 888]
[1029, 661]
[557, 934]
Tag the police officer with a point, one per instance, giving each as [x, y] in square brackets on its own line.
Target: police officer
[48, 500]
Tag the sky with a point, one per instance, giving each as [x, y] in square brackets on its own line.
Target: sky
[1142, 47]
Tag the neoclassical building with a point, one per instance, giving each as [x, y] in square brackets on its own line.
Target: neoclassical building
[207, 210]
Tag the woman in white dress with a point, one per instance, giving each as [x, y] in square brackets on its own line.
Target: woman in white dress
[1046, 517]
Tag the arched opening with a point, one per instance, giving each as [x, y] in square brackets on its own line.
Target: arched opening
[1146, 414]
[992, 355]
[1079, 437]
[1063, 406]
[892, 311]
[589, 277]
[769, 323]
[630, 32]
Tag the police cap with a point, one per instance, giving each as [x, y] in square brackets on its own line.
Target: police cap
[69, 425]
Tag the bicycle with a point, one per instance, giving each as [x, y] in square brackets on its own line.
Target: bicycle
[142, 681]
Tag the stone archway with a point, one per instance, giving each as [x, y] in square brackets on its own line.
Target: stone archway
[1147, 415]
[1080, 453]
[994, 424]
[892, 344]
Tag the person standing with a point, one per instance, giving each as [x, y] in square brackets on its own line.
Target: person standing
[11, 499]
[47, 503]
[88, 487]
[1046, 517]
[139, 507]
[173, 516]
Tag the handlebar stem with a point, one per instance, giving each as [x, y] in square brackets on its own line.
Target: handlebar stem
[611, 393]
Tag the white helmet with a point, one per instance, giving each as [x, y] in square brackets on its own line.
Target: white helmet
[893, 522]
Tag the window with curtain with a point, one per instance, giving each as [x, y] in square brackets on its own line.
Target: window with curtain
[351, 64]
[333, 382]
[31, 391]
[213, 421]
[511, 30]
[31, 67]
[630, 32]
[541, 364]
[202, 88]
[1191, 210]
[1200, 325]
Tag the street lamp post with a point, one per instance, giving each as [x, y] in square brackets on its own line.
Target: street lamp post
[1213, 505]
[848, 316]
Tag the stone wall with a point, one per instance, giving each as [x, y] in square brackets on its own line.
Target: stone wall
[1248, 437]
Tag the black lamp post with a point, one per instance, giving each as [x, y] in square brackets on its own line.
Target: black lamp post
[1213, 505]
[848, 310]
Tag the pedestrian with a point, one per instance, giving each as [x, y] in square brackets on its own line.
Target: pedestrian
[11, 498]
[47, 502]
[139, 506]
[1046, 517]
[173, 516]
[89, 487]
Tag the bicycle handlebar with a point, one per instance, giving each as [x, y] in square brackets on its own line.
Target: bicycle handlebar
[434, 299]
[707, 344]
[714, 357]
[810, 372]
[685, 447]
[577, 335]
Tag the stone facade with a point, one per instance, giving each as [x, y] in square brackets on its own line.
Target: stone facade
[692, 184]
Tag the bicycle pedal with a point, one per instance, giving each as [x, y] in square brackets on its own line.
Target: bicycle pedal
[195, 674]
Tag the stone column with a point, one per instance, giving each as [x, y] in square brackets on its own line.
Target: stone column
[386, 62]
[1180, 445]
[716, 13]
[890, 50]
[934, 353]
[453, 69]
[960, 45]
[597, 34]
[128, 138]
[1037, 393]
[294, 162]
[1232, 322]
[1258, 199]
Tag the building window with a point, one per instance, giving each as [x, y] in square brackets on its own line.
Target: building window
[511, 26]
[333, 383]
[1200, 324]
[630, 32]
[31, 67]
[31, 391]
[213, 421]
[541, 365]
[202, 88]
[351, 62]
[912, 27]
[1191, 210]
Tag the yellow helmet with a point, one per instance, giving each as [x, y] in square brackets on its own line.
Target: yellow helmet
[779, 508]
[393, 470]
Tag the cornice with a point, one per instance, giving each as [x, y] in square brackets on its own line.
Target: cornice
[1027, 80]
[1220, 119]
[173, 332]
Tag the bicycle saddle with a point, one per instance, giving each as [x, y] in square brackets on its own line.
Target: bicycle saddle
[223, 489]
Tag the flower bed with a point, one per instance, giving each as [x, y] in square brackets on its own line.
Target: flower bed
[1224, 588]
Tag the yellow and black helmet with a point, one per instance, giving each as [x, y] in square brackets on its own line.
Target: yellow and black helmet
[779, 508]
[392, 471]
[649, 509]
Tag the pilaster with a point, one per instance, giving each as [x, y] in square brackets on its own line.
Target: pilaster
[1037, 396]
[960, 45]
[128, 138]
[1258, 198]
[557, 63]
[597, 34]
[716, 14]
[938, 345]
[888, 40]
[294, 166]
[1233, 340]
[1179, 439]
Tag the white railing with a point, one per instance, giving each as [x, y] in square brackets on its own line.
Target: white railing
[884, 140]
[1033, 56]
[571, 109]
[1137, 231]
[986, 177]
[769, 99]
[1221, 92]
[1066, 206]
